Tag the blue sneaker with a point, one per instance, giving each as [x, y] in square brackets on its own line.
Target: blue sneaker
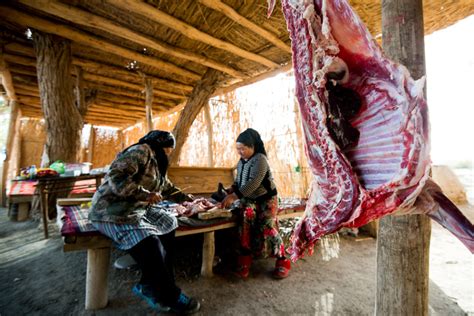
[146, 294]
[185, 305]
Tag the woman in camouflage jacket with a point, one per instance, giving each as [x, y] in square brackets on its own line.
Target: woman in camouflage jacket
[122, 209]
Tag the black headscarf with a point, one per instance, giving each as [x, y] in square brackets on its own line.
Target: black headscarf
[158, 140]
[251, 138]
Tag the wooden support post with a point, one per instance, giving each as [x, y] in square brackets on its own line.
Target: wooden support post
[207, 117]
[208, 251]
[13, 130]
[148, 104]
[199, 97]
[403, 242]
[44, 210]
[98, 261]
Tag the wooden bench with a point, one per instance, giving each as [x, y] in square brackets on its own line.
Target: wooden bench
[196, 180]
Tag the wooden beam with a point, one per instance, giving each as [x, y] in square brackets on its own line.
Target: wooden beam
[6, 77]
[131, 107]
[249, 81]
[87, 19]
[114, 71]
[187, 30]
[133, 86]
[148, 105]
[132, 76]
[32, 62]
[229, 12]
[403, 242]
[117, 98]
[198, 98]
[17, 17]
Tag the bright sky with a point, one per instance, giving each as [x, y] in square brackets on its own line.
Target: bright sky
[450, 70]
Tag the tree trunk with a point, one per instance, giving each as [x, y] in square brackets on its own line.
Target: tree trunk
[198, 98]
[403, 241]
[62, 118]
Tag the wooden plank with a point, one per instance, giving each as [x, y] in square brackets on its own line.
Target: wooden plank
[229, 12]
[87, 242]
[161, 17]
[87, 19]
[17, 17]
[193, 231]
[200, 180]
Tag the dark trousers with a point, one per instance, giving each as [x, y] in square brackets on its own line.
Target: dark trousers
[154, 256]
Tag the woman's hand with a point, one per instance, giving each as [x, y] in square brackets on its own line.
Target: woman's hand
[228, 200]
[154, 197]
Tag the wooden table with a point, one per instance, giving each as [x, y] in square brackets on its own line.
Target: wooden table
[52, 185]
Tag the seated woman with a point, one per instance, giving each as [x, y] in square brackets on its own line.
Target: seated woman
[137, 179]
[254, 186]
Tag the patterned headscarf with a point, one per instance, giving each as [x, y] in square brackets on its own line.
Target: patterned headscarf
[158, 140]
[251, 138]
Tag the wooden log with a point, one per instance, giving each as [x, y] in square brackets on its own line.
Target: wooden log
[111, 96]
[87, 19]
[6, 77]
[98, 261]
[161, 17]
[88, 64]
[63, 121]
[148, 105]
[198, 98]
[133, 86]
[13, 131]
[229, 12]
[208, 252]
[403, 241]
[17, 17]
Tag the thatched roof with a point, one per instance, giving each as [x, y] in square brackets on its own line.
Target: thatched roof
[172, 42]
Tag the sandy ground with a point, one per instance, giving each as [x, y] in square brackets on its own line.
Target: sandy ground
[38, 278]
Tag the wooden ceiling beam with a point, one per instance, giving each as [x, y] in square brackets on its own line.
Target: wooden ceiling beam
[125, 106]
[123, 99]
[187, 30]
[125, 74]
[133, 86]
[6, 77]
[103, 115]
[13, 16]
[91, 64]
[87, 76]
[229, 12]
[87, 19]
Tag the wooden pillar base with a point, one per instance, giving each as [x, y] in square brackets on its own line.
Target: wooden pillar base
[208, 251]
[98, 261]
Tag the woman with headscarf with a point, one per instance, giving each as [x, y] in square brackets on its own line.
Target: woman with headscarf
[254, 186]
[120, 210]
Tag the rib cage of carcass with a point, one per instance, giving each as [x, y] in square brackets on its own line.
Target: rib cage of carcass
[387, 170]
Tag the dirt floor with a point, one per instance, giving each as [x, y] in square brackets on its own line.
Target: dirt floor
[38, 278]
